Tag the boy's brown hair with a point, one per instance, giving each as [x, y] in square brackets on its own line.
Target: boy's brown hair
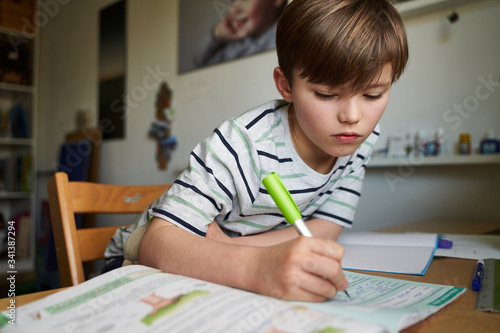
[336, 42]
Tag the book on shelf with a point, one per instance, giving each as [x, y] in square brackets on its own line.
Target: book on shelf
[16, 173]
[4, 177]
[18, 121]
[13, 121]
[5, 128]
[137, 298]
[25, 163]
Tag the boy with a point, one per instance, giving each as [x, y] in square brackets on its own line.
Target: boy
[337, 61]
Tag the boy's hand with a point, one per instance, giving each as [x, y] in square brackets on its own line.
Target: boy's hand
[305, 269]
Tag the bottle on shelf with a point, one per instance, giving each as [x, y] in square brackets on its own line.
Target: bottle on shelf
[420, 143]
[464, 144]
[490, 144]
[440, 142]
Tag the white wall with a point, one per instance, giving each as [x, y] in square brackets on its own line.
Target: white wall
[446, 62]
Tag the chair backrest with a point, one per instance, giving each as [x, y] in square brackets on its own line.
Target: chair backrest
[76, 246]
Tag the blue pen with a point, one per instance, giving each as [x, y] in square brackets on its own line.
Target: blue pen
[287, 205]
[478, 275]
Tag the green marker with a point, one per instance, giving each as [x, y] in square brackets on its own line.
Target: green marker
[287, 205]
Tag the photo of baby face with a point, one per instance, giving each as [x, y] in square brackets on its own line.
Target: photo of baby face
[214, 32]
[250, 18]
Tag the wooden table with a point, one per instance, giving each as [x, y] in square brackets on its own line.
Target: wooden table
[28, 298]
[459, 316]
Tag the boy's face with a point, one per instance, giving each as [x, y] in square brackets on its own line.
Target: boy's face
[331, 122]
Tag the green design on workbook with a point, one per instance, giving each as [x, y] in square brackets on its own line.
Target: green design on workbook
[99, 291]
[178, 303]
[330, 330]
[450, 294]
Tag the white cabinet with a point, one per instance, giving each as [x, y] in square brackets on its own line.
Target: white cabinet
[17, 150]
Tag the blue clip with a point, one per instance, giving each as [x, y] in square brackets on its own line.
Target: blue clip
[444, 243]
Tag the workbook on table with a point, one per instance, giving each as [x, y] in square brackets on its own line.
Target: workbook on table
[141, 299]
[404, 253]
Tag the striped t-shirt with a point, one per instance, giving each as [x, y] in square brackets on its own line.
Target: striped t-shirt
[223, 181]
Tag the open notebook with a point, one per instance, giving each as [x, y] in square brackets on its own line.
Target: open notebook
[406, 253]
[137, 298]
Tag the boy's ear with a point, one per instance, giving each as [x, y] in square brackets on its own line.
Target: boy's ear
[282, 84]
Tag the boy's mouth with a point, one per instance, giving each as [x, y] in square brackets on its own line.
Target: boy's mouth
[347, 137]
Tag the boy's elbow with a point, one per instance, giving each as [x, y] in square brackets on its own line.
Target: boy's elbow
[148, 246]
[144, 252]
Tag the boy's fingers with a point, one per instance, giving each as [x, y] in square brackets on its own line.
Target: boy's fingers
[327, 268]
[327, 248]
[321, 288]
[326, 263]
[308, 287]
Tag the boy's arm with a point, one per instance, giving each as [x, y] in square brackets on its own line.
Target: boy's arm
[304, 268]
[319, 228]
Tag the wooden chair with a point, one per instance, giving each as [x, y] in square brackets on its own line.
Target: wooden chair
[76, 246]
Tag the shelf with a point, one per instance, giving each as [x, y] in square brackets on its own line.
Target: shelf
[17, 88]
[409, 8]
[16, 142]
[378, 162]
[17, 33]
[7, 195]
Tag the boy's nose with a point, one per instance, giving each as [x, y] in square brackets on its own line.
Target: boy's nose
[350, 112]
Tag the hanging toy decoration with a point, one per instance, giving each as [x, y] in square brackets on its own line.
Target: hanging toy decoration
[161, 128]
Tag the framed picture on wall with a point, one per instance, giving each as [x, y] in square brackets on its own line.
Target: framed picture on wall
[213, 32]
[112, 39]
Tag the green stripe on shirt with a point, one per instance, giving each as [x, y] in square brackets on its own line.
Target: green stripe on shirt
[191, 206]
[268, 133]
[247, 146]
[341, 203]
[214, 155]
[251, 224]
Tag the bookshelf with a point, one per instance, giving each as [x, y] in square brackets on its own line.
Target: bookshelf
[18, 146]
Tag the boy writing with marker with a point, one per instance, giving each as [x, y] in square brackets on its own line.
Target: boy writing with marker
[337, 62]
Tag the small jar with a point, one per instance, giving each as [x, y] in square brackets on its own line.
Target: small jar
[464, 144]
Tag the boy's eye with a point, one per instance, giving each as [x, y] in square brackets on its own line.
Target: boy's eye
[373, 97]
[324, 95]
